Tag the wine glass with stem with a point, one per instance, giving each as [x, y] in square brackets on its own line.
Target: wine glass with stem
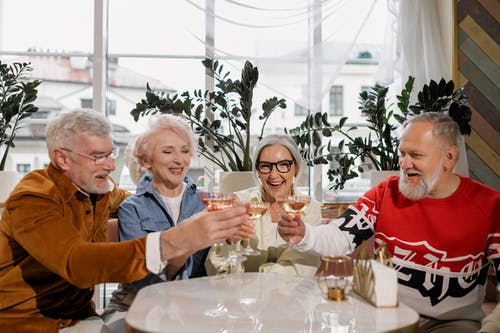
[294, 204]
[255, 211]
[216, 201]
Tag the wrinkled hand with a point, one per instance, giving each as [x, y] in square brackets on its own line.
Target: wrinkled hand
[245, 231]
[291, 228]
[201, 231]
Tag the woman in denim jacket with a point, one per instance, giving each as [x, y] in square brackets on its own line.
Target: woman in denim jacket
[164, 198]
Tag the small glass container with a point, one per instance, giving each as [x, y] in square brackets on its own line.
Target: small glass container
[334, 277]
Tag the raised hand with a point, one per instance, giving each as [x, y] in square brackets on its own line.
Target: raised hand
[291, 228]
[200, 231]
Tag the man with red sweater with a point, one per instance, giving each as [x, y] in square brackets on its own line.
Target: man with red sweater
[442, 229]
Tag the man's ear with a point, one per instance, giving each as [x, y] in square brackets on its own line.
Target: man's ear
[60, 159]
[450, 157]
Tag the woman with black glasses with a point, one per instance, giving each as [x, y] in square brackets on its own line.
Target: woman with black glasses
[277, 165]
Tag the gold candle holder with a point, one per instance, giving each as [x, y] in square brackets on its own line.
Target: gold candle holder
[333, 277]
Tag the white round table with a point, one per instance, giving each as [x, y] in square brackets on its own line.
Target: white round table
[258, 302]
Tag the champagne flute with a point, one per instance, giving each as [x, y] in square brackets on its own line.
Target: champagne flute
[216, 201]
[294, 204]
[255, 211]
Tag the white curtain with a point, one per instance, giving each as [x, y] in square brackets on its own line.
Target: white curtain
[416, 41]
[276, 36]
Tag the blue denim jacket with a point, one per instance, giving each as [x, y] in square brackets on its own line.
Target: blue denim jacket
[145, 212]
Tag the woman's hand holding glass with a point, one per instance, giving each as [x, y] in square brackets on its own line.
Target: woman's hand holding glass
[294, 205]
[291, 228]
[255, 211]
[217, 201]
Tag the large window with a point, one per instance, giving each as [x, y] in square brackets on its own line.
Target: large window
[302, 49]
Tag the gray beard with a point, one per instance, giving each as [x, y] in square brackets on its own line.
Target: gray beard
[422, 188]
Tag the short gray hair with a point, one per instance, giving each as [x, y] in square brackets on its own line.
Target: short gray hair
[67, 125]
[278, 139]
[445, 128]
[158, 123]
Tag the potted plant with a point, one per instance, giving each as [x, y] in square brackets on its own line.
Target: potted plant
[16, 104]
[224, 138]
[378, 150]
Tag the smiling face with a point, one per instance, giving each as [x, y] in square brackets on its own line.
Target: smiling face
[82, 170]
[275, 183]
[168, 161]
[426, 163]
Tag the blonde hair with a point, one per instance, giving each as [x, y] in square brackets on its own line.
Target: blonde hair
[143, 144]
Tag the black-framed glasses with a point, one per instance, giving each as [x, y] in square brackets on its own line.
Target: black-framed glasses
[99, 159]
[282, 166]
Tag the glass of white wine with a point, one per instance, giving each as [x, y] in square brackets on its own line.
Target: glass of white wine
[217, 201]
[255, 211]
[293, 205]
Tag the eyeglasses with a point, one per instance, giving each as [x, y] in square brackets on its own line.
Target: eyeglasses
[98, 159]
[282, 166]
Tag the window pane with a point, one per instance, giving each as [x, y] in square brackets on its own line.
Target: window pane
[25, 24]
[129, 76]
[156, 27]
[336, 101]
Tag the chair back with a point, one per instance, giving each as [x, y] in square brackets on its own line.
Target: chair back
[113, 230]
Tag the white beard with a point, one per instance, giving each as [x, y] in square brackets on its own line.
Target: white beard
[422, 188]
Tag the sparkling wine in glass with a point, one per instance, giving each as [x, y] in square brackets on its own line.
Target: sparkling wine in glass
[294, 204]
[255, 211]
[216, 201]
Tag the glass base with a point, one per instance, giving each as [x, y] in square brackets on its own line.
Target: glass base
[248, 251]
[234, 259]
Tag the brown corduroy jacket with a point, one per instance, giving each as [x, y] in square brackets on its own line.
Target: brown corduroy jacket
[53, 252]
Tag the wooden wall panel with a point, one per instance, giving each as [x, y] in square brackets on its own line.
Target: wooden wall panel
[478, 58]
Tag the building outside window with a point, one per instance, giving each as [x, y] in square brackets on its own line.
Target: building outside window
[23, 169]
[110, 105]
[300, 110]
[336, 101]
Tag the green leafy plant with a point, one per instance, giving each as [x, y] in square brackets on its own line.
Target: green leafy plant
[378, 150]
[16, 102]
[224, 138]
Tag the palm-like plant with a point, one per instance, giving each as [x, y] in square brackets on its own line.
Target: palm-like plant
[378, 150]
[16, 102]
[224, 139]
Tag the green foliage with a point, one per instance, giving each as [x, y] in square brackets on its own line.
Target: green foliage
[16, 102]
[379, 149]
[225, 140]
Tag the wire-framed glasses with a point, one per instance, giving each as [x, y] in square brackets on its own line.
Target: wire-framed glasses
[282, 166]
[98, 159]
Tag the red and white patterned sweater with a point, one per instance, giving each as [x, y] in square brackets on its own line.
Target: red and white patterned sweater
[441, 248]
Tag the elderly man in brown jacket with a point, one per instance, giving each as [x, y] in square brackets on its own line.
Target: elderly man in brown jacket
[53, 228]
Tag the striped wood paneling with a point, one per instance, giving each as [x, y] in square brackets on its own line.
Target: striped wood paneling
[477, 69]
